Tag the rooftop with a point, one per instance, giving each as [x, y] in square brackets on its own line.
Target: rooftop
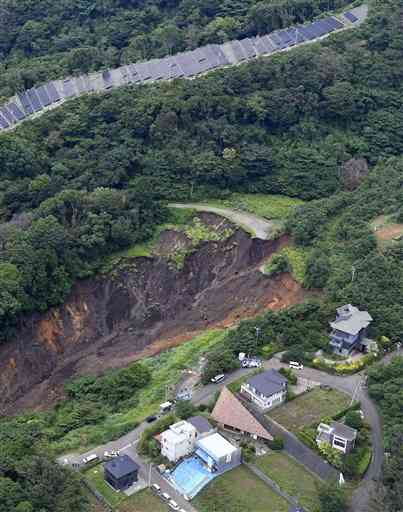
[121, 466]
[268, 383]
[351, 320]
[228, 410]
[216, 445]
[341, 430]
[200, 423]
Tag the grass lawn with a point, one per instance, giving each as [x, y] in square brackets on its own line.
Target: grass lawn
[143, 501]
[269, 206]
[292, 478]
[239, 490]
[95, 475]
[310, 408]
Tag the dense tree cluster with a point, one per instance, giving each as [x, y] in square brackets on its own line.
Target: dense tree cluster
[300, 331]
[29, 481]
[43, 252]
[385, 386]
[346, 259]
[45, 39]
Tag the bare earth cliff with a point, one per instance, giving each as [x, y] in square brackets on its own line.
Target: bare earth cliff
[140, 309]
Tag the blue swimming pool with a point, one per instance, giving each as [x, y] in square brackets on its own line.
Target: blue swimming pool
[190, 476]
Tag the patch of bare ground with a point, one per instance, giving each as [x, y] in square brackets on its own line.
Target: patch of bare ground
[139, 310]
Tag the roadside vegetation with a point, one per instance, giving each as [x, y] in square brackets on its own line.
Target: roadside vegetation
[385, 386]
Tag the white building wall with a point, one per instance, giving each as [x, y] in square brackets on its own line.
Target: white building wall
[262, 401]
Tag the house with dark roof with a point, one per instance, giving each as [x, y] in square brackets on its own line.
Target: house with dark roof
[348, 329]
[121, 472]
[231, 414]
[266, 390]
[201, 424]
[339, 436]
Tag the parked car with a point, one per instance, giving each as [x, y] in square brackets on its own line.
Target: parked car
[150, 419]
[156, 488]
[166, 496]
[182, 510]
[115, 453]
[251, 363]
[295, 365]
[326, 387]
[173, 505]
[218, 378]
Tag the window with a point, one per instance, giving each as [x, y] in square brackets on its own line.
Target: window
[339, 442]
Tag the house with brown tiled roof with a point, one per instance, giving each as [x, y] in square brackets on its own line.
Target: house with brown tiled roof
[231, 414]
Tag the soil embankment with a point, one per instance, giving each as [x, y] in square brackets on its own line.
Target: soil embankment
[140, 309]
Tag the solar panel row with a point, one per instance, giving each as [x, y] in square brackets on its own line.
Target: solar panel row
[350, 16]
[187, 64]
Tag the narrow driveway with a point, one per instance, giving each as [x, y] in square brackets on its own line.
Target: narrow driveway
[260, 228]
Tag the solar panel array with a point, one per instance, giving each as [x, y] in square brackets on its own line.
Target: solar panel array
[186, 64]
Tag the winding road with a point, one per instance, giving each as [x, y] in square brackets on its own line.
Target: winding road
[257, 226]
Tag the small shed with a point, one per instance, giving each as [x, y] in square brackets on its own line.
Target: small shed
[121, 472]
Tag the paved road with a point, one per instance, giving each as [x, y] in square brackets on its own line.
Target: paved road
[294, 447]
[261, 228]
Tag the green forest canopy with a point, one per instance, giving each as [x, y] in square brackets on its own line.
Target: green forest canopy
[44, 39]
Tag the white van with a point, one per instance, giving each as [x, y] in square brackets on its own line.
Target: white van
[218, 378]
[90, 458]
[166, 406]
[295, 365]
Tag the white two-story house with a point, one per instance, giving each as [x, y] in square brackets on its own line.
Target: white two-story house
[178, 441]
[266, 390]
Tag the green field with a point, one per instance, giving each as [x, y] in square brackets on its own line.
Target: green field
[292, 478]
[264, 205]
[95, 476]
[143, 501]
[239, 490]
[310, 408]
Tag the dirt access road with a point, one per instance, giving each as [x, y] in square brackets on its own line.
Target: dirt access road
[256, 226]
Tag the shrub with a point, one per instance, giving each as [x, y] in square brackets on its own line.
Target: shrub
[290, 376]
[354, 420]
[276, 444]
[184, 409]
[278, 264]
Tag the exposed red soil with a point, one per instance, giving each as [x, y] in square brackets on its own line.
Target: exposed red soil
[389, 232]
[143, 308]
